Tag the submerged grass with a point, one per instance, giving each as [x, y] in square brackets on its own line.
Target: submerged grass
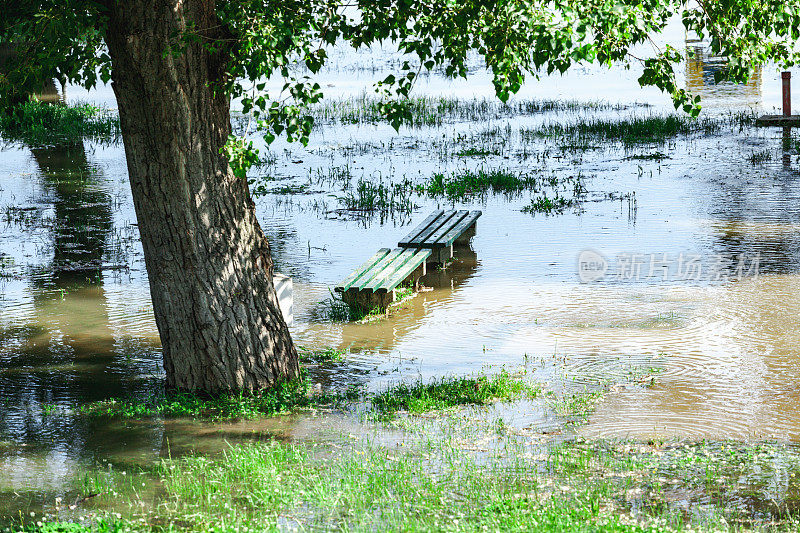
[456, 472]
[549, 206]
[325, 355]
[282, 398]
[41, 123]
[441, 484]
[451, 392]
[434, 111]
[377, 197]
[638, 129]
[466, 183]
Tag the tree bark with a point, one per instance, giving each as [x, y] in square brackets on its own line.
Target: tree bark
[207, 259]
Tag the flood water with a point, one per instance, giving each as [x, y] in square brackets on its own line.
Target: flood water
[76, 321]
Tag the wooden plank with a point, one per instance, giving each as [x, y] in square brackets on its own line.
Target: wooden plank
[445, 229]
[422, 227]
[377, 268]
[778, 121]
[400, 275]
[421, 240]
[361, 270]
[389, 269]
[458, 229]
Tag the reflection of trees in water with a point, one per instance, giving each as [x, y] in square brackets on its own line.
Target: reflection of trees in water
[67, 352]
[758, 215]
[82, 218]
[700, 70]
[750, 207]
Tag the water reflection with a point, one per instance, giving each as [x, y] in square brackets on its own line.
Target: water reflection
[64, 352]
[701, 67]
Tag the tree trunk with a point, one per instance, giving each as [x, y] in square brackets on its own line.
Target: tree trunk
[208, 261]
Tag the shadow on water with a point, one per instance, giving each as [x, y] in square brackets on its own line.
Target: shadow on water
[65, 353]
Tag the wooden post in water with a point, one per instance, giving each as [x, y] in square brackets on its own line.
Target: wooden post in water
[786, 77]
[786, 120]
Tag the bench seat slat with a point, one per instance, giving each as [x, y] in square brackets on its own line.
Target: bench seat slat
[445, 229]
[443, 221]
[417, 259]
[376, 269]
[362, 270]
[389, 269]
[457, 230]
[414, 236]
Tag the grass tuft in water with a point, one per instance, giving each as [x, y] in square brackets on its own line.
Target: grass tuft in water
[549, 206]
[370, 197]
[326, 355]
[760, 157]
[337, 310]
[41, 123]
[468, 183]
[451, 392]
[435, 111]
[477, 152]
[638, 129]
[280, 399]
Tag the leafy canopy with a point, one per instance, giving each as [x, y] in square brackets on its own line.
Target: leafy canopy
[517, 39]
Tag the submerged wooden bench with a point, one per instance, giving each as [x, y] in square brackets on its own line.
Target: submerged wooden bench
[375, 283]
[440, 231]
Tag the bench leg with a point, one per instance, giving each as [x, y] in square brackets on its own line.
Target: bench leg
[415, 276]
[468, 234]
[367, 300]
[440, 256]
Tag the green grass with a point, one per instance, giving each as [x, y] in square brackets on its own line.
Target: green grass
[282, 398]
[455, 472]
[40, 123]
[439, 484]
[325, 355]
[370, 197]
[415, 398]
[549, 206]
[433, 111]
[466, 183]
[638, 129]
[451, 392]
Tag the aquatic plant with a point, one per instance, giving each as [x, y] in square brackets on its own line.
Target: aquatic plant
[549, 206]
[760, 157]
[637, 129]
[434, 111]
[477, 152]
[466, 183]
[452, 391]
[282, 398]
[40, 123]
[378, 197]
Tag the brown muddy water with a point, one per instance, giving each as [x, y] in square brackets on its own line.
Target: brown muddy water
[76, 323]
